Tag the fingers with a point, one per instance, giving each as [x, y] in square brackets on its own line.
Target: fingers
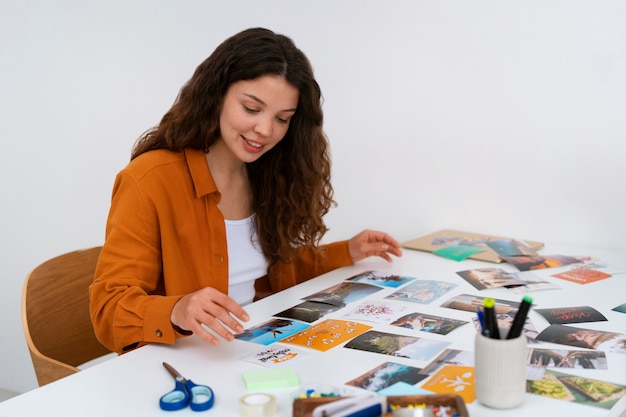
[383, 250]
[390, 245]
[208, 313]
[373, 243]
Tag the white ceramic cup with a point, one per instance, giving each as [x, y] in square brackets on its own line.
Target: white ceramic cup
[500, 371]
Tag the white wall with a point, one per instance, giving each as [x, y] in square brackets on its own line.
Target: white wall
[490, 116]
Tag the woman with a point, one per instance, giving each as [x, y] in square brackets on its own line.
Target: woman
[222, 202]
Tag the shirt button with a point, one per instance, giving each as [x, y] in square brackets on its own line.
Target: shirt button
[159, 333]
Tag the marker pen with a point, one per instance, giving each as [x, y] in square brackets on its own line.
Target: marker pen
[491, 322]
[481, 320]
[520, 318]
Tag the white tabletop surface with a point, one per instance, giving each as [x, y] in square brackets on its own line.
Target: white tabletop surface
[131, 384]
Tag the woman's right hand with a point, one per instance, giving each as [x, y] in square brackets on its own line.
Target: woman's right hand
[213, 309]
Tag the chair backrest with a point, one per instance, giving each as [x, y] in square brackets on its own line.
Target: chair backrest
[55, 315]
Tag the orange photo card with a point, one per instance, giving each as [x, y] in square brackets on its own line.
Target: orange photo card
[327, 334]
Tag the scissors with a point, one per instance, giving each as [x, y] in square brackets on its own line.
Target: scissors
[198, 397]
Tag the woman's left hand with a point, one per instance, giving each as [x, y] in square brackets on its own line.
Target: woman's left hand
[373, 243]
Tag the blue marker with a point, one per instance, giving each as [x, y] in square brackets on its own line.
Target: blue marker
[481, 320]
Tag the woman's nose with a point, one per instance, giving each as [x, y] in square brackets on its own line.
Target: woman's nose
[263, 126]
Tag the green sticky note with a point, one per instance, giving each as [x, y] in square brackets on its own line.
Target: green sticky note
[270, 378]
[458, 253]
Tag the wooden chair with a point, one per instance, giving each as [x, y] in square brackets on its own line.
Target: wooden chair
[55, 315]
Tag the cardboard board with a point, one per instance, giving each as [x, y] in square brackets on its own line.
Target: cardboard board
[425, 243]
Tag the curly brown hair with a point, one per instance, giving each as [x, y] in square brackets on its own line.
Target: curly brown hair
[291, 189]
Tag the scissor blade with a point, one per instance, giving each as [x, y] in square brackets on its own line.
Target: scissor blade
[173, 371]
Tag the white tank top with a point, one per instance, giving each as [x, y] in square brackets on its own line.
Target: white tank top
[246, 262]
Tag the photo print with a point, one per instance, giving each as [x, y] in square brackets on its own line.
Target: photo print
[511, 247]
[309, 311]
[277, 356]
[327, 334]
[554, 358]
[532, 282]
[531, 263]
[428, 323]
[422, 291]
[453, 379]
[564, 387]
[620, 308]
[582, 275]
[568, 315]
[343, 293]
[584, 338]
[467, 302]
[381, 279]
[411, 347]
[271, 331]
[452, 357]
[376, 311]
[386, 375]
[487, 278]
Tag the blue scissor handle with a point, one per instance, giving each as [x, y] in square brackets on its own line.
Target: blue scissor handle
[202, 397]
[176, 399]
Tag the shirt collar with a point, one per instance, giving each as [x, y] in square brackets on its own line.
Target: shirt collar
[200, 173]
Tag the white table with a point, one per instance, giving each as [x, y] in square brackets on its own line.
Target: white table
[131, 384]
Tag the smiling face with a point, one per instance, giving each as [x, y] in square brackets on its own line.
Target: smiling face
[256, 114]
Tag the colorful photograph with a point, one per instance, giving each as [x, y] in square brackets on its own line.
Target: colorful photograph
[428, 323]
[458, 253]
[309, 311]
[271, 331]
[532, 282]
[467, 302]
[620, 308]
[343, 293]
[449, 357]
[443, 240]
[327, 334]
[277, 356]
[582, 275]
[453, 379]
[581, 359]
[486, 278]
[530, 263]
[422, 291]
[584, 338]
[381, 279]
[577, 389]
[568, 315]
[376, 311]
[387, 374]
[397, 345]
[511, 247]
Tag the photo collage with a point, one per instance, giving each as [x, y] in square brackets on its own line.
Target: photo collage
[349, 315]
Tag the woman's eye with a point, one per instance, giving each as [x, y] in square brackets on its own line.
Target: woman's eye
[252, 110]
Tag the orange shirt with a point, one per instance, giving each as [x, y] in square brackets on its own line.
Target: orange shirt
[166, 237]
